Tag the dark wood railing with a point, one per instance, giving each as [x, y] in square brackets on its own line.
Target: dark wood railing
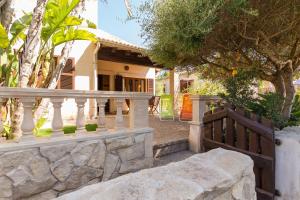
[237, 130]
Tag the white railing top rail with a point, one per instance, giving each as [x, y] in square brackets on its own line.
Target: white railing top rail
[8, 92]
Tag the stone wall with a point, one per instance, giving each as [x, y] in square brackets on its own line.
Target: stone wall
[288, 163]
[47, 168]
[216, 175]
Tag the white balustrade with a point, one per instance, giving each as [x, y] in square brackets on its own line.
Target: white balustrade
[101, 117]
[1, 123]
[119, 117]
[27, 125]
[80, 120]
[138, 112]
[57, 121]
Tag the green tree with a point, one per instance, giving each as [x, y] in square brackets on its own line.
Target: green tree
[260, 36]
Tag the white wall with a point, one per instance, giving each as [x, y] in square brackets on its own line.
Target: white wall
[288, 163]
[135, 71]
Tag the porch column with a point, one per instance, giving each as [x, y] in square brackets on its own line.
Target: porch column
[172, 82]
[94, 82]
[196, 133]
[172, 88]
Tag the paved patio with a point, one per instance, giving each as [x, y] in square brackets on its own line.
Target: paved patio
[168, 131]
[164, 131]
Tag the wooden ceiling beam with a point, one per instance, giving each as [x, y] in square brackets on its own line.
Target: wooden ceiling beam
[124, 56]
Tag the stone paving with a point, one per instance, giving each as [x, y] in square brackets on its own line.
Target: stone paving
[174, 157]
[164, 131]
[168, 131]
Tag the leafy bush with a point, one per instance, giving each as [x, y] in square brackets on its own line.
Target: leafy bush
[241, 93]
[240, 89]
[295, 115]
[206, 87]
[269, 106]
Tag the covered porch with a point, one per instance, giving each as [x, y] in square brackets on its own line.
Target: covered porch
[121, 66]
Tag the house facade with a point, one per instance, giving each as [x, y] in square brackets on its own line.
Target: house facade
[112, 64]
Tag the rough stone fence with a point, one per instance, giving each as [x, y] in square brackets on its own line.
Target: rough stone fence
[218, 174]
[287, 150]
[44, 168]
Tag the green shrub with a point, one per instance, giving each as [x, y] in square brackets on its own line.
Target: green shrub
[240, 89]
[269, 106]
[295, 115]
[241, 93]
[206, 87]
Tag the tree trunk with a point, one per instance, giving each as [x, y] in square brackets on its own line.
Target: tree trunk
[290, 93]
[283, 83]
[29, 57]
[279, 85]
[32, 43]
[7, 13]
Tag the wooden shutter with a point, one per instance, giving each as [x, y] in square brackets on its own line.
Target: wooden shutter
[150, 85]
[67, 78]
[118, 83]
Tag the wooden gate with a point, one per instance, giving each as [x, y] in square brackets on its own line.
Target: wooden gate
[233, 129]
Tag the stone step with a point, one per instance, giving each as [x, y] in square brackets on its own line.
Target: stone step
[173, 157]
[163, 149]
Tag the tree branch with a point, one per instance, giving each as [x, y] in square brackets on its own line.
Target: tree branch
[215, 64]
[294, 48]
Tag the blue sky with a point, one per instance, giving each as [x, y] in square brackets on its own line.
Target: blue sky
[112, 19]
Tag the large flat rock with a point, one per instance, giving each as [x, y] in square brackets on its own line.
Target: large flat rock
[215, 175]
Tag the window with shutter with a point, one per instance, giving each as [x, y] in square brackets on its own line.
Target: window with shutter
[185, 84]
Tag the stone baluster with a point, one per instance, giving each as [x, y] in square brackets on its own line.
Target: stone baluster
[1, 123]
[119, 117]
[57, 122]
[27, 125]
[138, 115]
[101, 117]
[80, 121]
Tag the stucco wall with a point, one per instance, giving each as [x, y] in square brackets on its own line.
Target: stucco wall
[288, 163]
[47, 168]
